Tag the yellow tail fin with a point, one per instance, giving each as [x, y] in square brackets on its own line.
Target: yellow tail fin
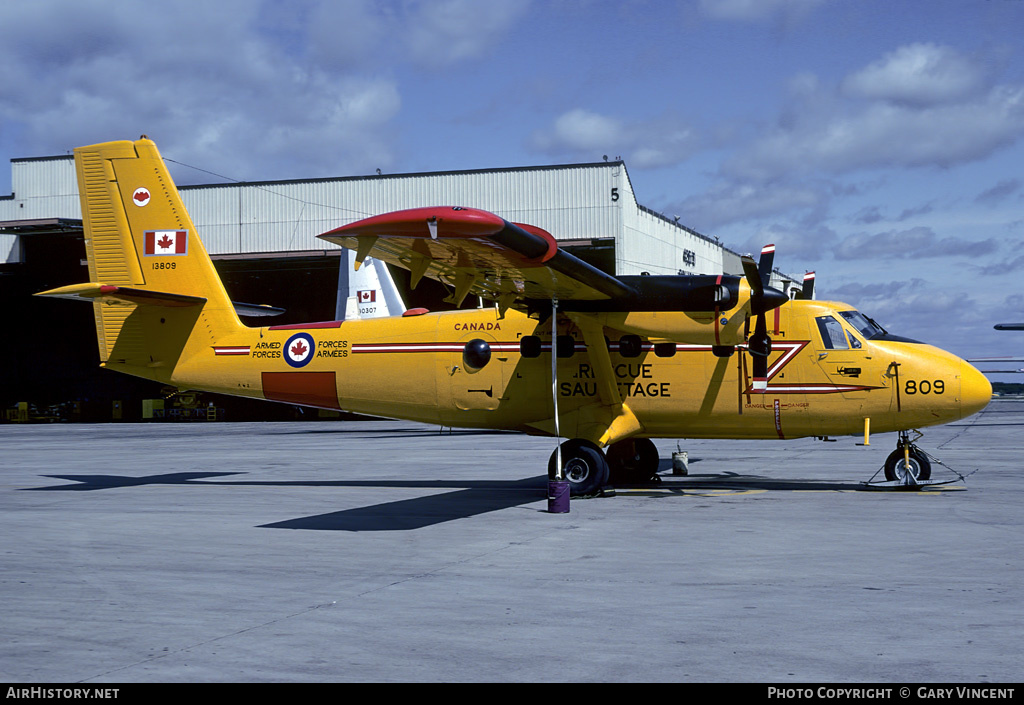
[155, 292]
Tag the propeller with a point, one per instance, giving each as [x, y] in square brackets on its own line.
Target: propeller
[762, 299]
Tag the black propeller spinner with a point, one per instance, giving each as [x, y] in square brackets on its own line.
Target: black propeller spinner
[762, 299]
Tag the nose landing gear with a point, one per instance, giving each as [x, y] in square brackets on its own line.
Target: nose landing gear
[908, 464]
[910, 468]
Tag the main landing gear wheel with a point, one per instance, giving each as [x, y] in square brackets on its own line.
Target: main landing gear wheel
[583, 466]
[897, 467]
[632, 461]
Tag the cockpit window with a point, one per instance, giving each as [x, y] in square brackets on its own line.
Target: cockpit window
[864, 325]
[832, 334]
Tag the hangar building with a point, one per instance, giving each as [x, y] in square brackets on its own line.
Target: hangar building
[262, 237]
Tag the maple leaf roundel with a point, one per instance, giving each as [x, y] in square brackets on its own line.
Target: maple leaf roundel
[298, 351]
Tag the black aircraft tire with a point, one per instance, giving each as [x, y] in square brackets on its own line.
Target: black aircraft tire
[583, 465]
[632, 461]
[920, 467]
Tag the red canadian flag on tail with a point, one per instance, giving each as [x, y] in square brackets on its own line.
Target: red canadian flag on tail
[166, 242]
[367, 296]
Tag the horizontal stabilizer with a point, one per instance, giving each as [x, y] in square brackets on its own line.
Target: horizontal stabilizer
[93, 291]
[256, 309]
[144, 297]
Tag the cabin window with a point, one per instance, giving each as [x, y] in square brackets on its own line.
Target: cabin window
[630, 346]
[832, 334]
[529, 346]
[665, 349]
[566, 345]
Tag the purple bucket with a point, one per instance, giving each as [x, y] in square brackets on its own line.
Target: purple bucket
[558, 497]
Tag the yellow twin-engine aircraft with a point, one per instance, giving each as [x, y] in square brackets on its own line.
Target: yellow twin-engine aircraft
[622, 360]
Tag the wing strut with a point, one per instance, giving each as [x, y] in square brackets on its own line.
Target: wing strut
[558, 488]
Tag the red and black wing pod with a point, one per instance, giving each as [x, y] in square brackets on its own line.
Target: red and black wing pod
[477, 252]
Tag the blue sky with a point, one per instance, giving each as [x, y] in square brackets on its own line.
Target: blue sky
[876, 142]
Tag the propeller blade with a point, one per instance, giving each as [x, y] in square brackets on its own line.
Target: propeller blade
[766, 264]
[759, 344]
[753, 276]
[760, 381]
[808, 290]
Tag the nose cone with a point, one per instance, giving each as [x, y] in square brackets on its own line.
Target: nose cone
[771, 298]
[975, 390]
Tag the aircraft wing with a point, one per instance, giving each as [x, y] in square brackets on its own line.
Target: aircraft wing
[478, 253]
[1009, 326]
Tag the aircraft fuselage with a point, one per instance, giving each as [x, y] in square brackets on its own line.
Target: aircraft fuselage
[416, 368]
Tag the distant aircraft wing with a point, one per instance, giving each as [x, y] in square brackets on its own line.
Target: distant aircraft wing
[478, 253]
[1009, 326]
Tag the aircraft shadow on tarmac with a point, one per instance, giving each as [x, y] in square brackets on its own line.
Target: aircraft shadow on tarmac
[466, 498]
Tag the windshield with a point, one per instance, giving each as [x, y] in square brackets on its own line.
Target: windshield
[868, 328]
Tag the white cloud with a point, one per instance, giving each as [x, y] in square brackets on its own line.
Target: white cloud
[730, 202]
[581, 130]
[433, 34]
[346, 33]
[586, 135]
[910, 307]
[442, 32]
[756, 10]
[917, 74]
[914, 243]
[260, 91]
[212, 83]
[884, 134]
[795, 242]
[922, 105]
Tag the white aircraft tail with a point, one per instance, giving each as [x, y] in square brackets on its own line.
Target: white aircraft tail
[367, 292]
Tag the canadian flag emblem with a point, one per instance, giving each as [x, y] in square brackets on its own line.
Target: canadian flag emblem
[166, 242]
[368, 296]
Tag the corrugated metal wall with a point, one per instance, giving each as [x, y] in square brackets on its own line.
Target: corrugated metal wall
[572, 202]
[43, 188]
[651, 243]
